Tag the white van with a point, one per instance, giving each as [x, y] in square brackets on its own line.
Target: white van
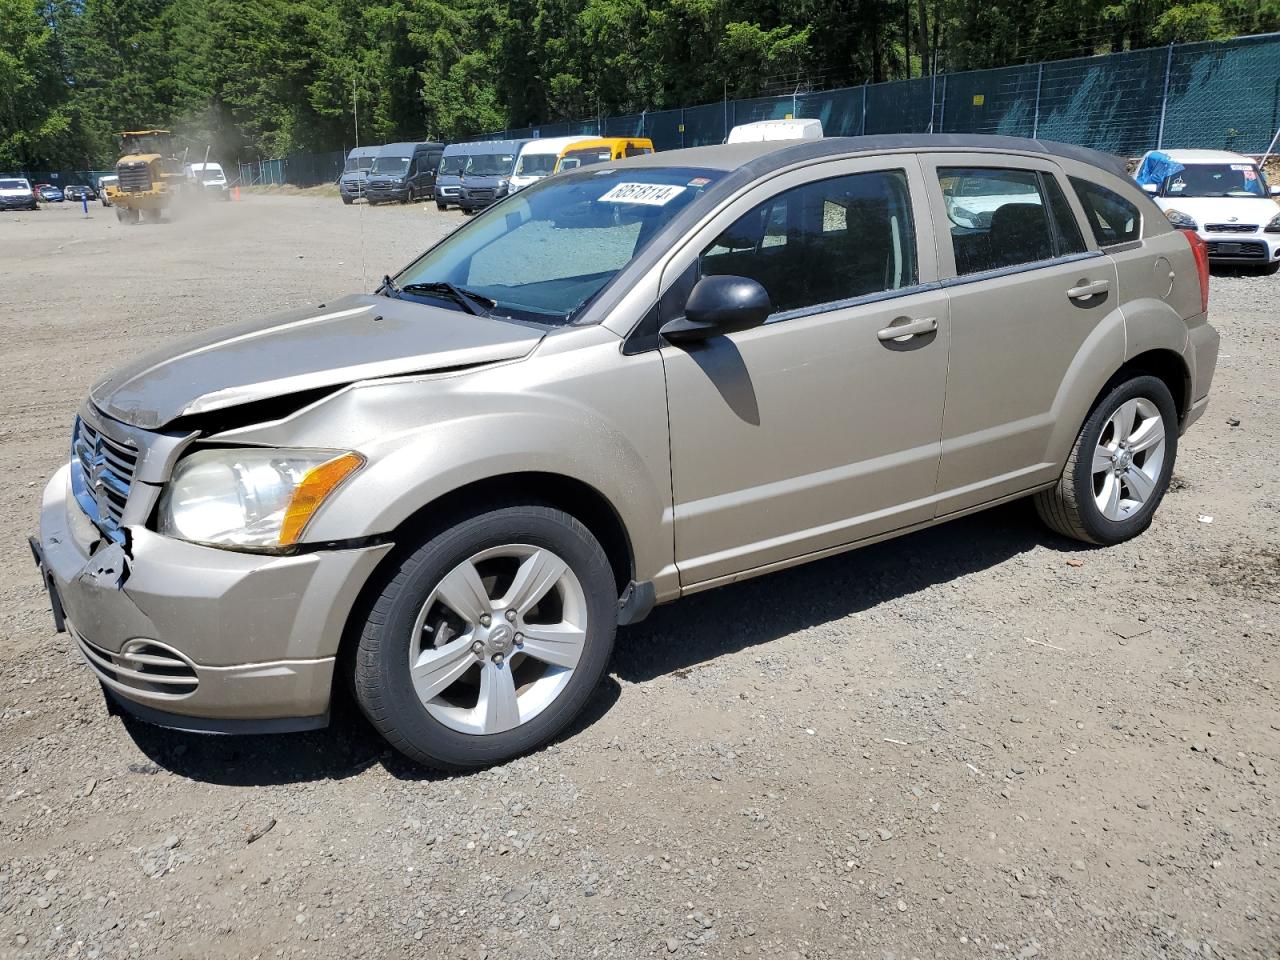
[210, 178]
[538, 158]
[776, 130]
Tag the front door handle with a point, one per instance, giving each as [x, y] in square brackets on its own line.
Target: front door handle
[1087, 290]
[902, 332]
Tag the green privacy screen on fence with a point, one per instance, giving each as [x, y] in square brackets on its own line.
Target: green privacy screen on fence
[1217, 95]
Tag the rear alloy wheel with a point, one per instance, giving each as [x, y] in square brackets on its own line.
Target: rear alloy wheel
[489, 639]
[1119, 469]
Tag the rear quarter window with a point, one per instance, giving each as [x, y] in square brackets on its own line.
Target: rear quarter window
[1112, 218]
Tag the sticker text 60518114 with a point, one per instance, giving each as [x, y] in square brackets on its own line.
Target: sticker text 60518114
[651, 194]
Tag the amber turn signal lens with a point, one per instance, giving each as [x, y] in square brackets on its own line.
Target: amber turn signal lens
[318, 483]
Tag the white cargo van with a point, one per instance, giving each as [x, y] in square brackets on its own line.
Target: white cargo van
[776, 130]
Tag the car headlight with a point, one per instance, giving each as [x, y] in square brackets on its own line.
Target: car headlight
[1274, 225]
[1180, 220]
[258, 499]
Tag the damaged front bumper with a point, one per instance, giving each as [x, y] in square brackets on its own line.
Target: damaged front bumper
[196, 637]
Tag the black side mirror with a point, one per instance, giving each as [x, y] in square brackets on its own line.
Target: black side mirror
[718, 305]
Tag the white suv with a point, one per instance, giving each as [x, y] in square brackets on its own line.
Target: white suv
[1224, 197]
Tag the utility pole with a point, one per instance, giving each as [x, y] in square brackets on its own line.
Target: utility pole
[355, 109]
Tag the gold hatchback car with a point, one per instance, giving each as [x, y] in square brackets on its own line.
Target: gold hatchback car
[618, 386]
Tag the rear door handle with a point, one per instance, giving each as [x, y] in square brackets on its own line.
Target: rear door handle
[905, 331]
[1087, 290]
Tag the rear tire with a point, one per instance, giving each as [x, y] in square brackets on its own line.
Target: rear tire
[522, 584]
[1119, 468]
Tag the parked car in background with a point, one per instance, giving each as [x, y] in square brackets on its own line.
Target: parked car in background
[210, 179]
[355, 173]
[49, 193]
[602, 150]
[449, 174]
[538, 157]
[16, 193]
[104, 182]
[78, 191]
[620, 386]
[404, 173]
[1224, 197]
[775, 130]
[486, 176]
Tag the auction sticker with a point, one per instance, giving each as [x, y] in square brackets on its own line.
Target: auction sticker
[650, 194]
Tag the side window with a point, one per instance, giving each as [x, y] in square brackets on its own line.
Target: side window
[635, 151]
[1000, 218]
[1066, 228]
[823, 242]
[1112, 218]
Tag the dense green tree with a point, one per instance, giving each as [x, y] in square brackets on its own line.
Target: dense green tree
[258, 78]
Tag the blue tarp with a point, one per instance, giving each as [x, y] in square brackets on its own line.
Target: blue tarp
[1156, 168]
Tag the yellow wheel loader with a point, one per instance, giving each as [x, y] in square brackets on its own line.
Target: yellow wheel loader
[149, 176]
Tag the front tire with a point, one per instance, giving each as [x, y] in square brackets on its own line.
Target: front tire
[441, 206]
[1119, 468]
[1270, 269]
[488, 639]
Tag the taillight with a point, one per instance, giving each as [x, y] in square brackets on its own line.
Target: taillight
[1201, 251]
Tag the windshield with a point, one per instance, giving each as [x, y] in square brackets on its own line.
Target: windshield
[452, 166]
[490, 165]
[396, 166]
[544, 253]
[14, 185]
[1216, 180]
[580, 158]
[357, 163]
[145, 145]
[535, 164]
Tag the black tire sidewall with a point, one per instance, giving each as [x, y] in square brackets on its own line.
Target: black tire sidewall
[383, 686]
[1101, 529]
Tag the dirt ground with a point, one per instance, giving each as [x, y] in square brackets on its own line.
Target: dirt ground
[979, 741]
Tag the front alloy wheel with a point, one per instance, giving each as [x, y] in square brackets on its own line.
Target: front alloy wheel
[489, 638]
[499, 638]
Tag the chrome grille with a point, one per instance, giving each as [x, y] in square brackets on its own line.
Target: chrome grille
[134, 177]
[1231, 227]
[101, 475]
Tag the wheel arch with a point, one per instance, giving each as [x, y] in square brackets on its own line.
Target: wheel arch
[1164, 364]
[580, 500]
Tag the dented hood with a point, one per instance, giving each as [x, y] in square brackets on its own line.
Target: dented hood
[355, 338]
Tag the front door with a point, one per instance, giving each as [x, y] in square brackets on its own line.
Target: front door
[821, 427]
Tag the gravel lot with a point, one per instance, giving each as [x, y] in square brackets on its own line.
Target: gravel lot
[978, 741]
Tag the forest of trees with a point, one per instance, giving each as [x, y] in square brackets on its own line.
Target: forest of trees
[260, 78]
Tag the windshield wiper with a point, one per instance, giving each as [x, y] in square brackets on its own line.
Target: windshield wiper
[388, 287]
[474, 303]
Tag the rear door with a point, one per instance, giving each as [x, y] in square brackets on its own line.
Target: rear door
[1027, 290]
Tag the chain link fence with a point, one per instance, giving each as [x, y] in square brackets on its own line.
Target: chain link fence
[1214, 95]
